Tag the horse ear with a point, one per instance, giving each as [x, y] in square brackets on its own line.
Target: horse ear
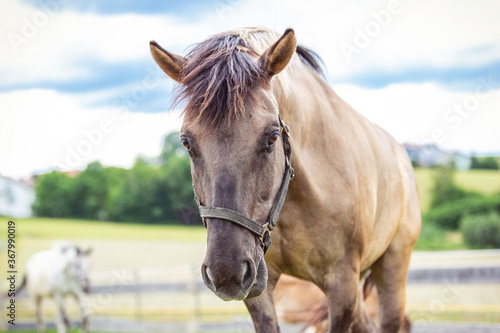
[89, 251]
[170, 63]
[275, 59]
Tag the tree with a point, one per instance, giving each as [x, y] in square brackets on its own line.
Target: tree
[152, 191]
[445, 189]
[176, 175]
[115, 204]
[91, 190]
[136, 198]
[489, 163]
[54, 195]
[179, 189]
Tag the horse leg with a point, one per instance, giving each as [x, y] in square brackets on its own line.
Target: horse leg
[39, 316]
[390, 273]
[84, 312]
[346, 309]
[63, 323]
[262, 308]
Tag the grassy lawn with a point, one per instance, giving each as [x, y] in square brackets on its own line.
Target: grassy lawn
[116, 246]
[482, 181]
[50, 228]
[432, 239]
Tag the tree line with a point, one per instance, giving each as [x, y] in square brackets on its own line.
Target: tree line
[488, 163]
[158, 190]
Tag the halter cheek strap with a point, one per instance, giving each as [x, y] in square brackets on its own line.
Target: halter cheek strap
[263, 231]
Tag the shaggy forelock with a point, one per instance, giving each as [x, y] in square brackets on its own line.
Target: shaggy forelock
[223, 73]
[220, 76]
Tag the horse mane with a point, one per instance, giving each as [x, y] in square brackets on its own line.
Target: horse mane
[311, 58]
[221, 74]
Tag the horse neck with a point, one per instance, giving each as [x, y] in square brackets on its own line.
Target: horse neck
[320, 124]
[310, 107]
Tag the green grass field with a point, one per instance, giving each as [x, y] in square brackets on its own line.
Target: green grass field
[482, 181]
[50, 228]
[116, 244]
[431, 239]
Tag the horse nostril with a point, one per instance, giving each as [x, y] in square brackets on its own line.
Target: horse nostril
[205, 273]
[248, 274]
[208, 274]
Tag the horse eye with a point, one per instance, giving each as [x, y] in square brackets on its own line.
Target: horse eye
[186, 144]
[272, 139]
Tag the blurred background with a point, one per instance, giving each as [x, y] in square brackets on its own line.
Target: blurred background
[89, 145]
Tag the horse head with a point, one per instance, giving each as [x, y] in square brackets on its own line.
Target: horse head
[76, 262]
[233, 133]
[82, 268]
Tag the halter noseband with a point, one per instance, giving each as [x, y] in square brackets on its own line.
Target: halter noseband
[263, 231]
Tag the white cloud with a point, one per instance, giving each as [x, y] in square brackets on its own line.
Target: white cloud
[60, 47]
[426, 113]
[42, 129]
[422, 33]
[37, 126]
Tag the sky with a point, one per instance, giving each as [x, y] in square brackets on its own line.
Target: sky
[78, 83]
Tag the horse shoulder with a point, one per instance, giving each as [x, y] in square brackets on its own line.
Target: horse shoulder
[396, 197]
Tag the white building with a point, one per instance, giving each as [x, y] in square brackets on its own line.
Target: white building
[429, 155]
[15, 198]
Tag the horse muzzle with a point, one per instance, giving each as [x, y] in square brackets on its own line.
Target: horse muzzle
[86, 286]
[240, 283]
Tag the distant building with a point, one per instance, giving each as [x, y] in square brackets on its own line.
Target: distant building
[430, 155]
[15, 198]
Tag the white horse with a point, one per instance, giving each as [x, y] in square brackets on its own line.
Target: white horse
[61, 271]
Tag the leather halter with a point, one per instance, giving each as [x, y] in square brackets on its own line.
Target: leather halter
[263, 231]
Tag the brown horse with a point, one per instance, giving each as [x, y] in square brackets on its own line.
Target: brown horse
[352, 206]
[302, 302]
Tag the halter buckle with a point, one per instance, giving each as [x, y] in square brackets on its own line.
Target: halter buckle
[265, 239]
[286, 129]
